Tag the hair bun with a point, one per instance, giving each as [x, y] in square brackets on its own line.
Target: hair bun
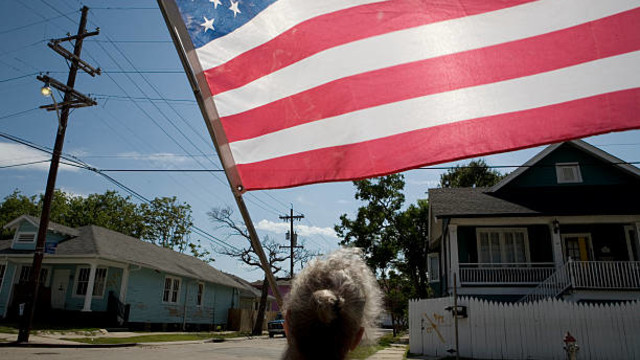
[328, 305]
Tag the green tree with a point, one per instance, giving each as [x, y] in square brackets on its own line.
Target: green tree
[373, 228]
[475, 174]
[14, 205]
[413, 234]
[168, 223]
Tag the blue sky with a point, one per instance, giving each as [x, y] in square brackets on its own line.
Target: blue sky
[146, 117]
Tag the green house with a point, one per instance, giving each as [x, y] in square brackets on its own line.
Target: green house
[565, 225]
[99, 277]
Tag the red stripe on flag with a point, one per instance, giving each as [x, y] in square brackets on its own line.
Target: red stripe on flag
[341, 27]
[591, 41]
[599, 114]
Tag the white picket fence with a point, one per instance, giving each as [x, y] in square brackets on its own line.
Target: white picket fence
[532, 330]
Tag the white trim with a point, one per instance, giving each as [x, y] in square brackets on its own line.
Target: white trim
[3, 273]
[589, 244]
[436, 278]
[77, 277]
[171, 289]
[17, 221]
[501, 231]
[576, 173]
[545, 220]
[47, 278]
[16, 237]
[124, 283]
[556, 244]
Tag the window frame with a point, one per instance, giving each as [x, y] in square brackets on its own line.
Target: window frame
[430, 257]
[200, 294]
[568, 165]
[47, 276]
[76, 282]
[171, 290]
[501, 239]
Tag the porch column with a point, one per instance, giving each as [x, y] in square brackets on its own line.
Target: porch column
[453, 255]
[89, 295]
[637, 240]
[556, 243]
[124, 283]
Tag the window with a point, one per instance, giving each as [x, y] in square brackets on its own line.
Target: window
[200, 294]
[434, 267]
[82, 281]
[171, 289]
[502, 246]
[568, 173]
[25, 272]
[25, 237]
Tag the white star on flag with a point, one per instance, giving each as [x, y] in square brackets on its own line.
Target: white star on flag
[215, 3]
[234, 8]
[207, 24]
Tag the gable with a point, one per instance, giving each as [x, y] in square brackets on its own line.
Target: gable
[593, 170]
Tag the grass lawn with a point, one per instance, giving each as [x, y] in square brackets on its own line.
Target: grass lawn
[153, 338]
[8, 330]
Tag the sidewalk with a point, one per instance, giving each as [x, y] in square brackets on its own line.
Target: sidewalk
[54, 339]
[395, 352]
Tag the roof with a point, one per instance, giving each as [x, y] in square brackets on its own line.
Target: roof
[247, 290]
[96, 241]
[582, 145]
[461, 202]
[35, 221]
[496, 201]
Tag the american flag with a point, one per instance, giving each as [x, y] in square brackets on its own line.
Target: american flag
[326, 90]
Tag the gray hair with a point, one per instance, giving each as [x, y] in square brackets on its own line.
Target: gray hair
[331, 299]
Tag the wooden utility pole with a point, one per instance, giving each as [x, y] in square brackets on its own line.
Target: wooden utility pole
[292, 236]
[72, 99]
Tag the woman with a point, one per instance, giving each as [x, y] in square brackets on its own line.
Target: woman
[332, 305]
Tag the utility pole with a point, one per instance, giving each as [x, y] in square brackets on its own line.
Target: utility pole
[72, 99]
[292, 236]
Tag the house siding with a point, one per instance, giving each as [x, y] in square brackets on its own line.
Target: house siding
[145, 292]
[593, 170]
[76, 302]
[26, 226]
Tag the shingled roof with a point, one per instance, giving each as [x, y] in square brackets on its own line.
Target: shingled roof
[96, 241]
[470, 202]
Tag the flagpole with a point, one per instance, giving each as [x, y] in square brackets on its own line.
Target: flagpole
[194, 72]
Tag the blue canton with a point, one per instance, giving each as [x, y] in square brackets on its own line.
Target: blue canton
[207, 20]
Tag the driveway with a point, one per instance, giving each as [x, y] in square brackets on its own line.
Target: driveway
[248, 349]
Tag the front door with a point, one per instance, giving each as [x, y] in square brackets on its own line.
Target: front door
[577, 247]
[59, 287]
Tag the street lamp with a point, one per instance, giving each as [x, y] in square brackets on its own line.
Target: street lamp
[46, 91]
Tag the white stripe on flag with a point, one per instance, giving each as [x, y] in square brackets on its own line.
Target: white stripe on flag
[271, 22]
[554, 87]
[418, 43]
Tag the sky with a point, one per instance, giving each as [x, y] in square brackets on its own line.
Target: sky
[147, 118]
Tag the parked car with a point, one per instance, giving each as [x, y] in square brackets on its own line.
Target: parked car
[276, 326]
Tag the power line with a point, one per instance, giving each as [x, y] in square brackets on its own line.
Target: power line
[75, 162]
[24, 164]
[35, 23]
[18, 113]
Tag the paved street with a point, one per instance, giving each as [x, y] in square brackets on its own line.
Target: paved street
[229, 350]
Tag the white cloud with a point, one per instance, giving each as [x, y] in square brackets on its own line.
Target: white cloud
[303, 230]
[428, 183]
[14, 154]
[344, 202]
[159, 160]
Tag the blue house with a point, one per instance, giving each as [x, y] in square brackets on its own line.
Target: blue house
[566, 224]
[99, 277]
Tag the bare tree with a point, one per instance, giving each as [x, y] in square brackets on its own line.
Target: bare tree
[275, 255]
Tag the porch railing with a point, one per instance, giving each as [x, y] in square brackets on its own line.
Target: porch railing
[623, 275]
[505, 273]
[611, 275]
